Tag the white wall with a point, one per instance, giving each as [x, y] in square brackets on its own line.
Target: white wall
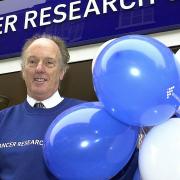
[81, 53]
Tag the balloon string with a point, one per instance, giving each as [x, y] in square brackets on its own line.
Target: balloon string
[176, 97]
[143, 131]
[142, 134]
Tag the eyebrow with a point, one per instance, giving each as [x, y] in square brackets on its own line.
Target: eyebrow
[31, 57]
[50, 58]
[46, 58]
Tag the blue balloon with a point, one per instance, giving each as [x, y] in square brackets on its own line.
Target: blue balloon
[137, 175]
[85, 142]
[177, 114]
[137, 80]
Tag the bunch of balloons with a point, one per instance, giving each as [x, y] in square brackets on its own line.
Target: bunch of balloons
[159, 154]
[136, 80]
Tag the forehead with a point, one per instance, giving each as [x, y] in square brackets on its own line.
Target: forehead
[43, 47]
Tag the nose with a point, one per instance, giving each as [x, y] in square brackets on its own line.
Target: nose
[40, 67]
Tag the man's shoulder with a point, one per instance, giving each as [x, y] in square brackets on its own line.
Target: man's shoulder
[10, 109]
[70, 102]
[73, 101]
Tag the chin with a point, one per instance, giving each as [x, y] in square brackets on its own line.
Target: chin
[39, 93]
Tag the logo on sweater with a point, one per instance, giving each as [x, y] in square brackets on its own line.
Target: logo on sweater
[29, 142]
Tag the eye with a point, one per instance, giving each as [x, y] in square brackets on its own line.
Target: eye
[50, 63]
[32, 61]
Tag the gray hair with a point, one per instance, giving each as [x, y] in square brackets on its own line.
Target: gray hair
[57, 40]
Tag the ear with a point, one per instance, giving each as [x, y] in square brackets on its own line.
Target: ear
[22, 71]
[61, 75]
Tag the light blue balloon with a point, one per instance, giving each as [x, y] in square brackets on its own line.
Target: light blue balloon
[136, 78]
[85, 142]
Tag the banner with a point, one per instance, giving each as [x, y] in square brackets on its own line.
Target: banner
[82, 22]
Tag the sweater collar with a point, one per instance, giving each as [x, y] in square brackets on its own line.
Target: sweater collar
[51, 102]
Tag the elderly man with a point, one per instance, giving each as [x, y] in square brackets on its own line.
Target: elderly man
[22, 127]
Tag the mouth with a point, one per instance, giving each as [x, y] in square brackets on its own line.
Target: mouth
[40, 80]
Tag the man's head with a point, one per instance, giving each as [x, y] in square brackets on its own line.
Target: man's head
[44, 64]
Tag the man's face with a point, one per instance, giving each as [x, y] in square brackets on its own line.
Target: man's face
[42, 71]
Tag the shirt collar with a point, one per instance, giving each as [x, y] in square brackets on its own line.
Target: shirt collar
[52, 101]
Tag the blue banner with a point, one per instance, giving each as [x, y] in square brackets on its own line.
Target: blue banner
[82, 22]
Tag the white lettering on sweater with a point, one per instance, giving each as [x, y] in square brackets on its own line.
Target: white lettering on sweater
[36, 142]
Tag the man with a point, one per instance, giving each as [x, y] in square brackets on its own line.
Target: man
[22, 127]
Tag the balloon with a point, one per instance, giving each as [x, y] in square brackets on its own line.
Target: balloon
[177, 57]
[159, 156]
[99, 50]
[178, 112]
[137, 175]
[85, 142]
[136, 79]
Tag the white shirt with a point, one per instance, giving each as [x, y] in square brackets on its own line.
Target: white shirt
[52, 101]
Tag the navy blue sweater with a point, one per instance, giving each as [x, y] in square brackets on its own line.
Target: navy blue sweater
[22, 130]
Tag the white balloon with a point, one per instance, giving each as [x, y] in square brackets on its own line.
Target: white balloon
[177, 58]
[159, 155]
[178, 53]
